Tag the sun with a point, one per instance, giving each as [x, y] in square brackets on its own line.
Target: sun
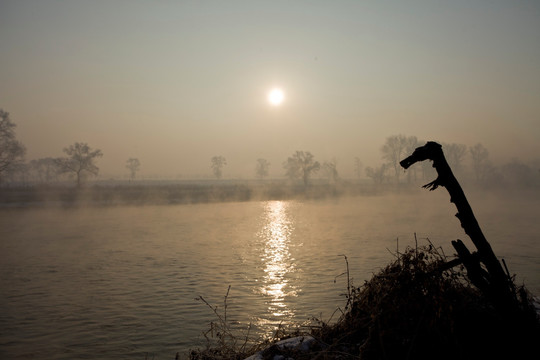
[276, 96]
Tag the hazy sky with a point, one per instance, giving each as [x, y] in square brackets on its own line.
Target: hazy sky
[175, 82]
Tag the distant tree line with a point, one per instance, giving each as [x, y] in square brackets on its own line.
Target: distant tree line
[469, 163]
[80, 163]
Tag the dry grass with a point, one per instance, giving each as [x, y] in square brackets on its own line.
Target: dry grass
[223, 342]
[409, 310]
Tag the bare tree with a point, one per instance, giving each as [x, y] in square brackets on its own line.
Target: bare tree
[329, 169]
[427, 169]
[133, 165]
[44, 170]
[517, 173]
[411, 143]
[80, 161]
[393, 151]
[18, 172]
[217, 163]
[358, 167]
[262, 168]
[480, 160]
[455, 155]
[377, 174]
[301, 165]
[12, 151]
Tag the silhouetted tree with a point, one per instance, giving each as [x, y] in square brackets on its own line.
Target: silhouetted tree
[217, 163]
[18, 172]
[485, 172]
[329, 169]
[133, 165]
[455, 155]
[80, 161]
[12, 151]
[44, 170]
[377, 174]
[411, 143]
[393, 150]
[428, 172]
[301, 165]
[519, 174]
[358, 167]
[262, 168]
[480, 161]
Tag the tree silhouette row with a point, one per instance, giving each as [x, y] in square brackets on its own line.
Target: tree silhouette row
[80, 163]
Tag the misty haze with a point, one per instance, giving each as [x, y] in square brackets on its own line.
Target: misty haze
[169, 168]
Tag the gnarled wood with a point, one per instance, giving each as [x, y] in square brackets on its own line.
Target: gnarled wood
[494, 282]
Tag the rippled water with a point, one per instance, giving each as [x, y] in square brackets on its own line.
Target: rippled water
[121, 282]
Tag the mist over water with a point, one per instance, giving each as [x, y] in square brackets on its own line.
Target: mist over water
[120, 282]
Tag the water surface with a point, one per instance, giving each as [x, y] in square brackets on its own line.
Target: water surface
[121, 282]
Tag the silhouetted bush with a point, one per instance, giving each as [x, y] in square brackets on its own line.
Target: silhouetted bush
[410, 310]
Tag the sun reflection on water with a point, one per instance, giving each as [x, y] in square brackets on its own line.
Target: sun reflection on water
[278, 263]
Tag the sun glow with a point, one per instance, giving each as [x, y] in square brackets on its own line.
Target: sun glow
[276, 97]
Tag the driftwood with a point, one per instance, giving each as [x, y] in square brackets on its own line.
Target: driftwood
[489, 278]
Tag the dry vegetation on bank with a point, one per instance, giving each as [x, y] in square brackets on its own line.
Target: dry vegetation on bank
[409, 310]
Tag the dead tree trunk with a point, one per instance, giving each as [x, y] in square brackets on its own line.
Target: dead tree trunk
[493, 281]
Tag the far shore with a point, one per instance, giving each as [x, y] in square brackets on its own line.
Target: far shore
[180, 192]
[125, 193]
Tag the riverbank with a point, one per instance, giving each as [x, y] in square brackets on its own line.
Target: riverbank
[156, 193]
[409, 310]
[118, 193]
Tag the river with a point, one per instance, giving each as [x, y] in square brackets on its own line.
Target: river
[121, 282]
